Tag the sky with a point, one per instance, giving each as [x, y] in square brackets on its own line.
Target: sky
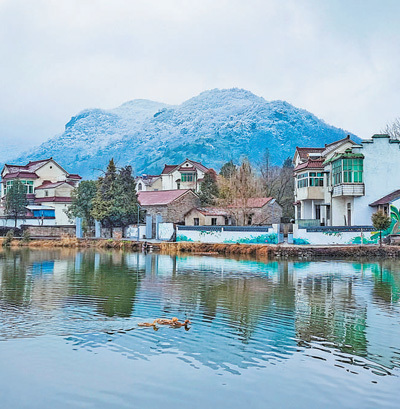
[338, 59]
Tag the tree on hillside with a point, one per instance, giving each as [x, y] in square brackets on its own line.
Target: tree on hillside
[16, 202]
[380, 222]
[115, 203]
[209, 191]
[82, 202]
[236, 191]
[228, 169]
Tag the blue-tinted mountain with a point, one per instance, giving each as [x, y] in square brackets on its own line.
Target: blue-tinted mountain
[213, 127]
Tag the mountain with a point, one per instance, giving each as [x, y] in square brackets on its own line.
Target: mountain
[213, 127]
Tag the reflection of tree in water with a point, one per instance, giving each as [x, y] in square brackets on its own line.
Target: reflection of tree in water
[15, 288]
[107, 280]
[386, 282]
[328, 311]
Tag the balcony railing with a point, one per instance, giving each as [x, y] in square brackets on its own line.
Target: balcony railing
[348, 189]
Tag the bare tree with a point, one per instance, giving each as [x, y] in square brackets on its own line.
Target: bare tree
[393, 129]
[236, 190]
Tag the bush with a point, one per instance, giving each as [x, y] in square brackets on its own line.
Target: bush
[26, 236]
[9, 238]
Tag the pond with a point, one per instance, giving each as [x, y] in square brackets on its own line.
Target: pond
[284, 334]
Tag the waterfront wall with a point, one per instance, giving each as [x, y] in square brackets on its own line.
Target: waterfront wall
[327, 235]
[50, 231]
[228, 234]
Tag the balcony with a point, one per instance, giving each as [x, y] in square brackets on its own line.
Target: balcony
[310, 193]
[348, 189]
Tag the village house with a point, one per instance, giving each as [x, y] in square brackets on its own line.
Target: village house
[47, 184]
[172, 205]
[188, 175]
[257, 211]
[346, 182]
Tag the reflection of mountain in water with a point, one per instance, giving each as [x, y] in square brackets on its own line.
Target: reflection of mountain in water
[244, 312]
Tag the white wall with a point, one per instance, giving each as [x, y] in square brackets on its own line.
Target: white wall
[381, 175]
[267, 235]
[302, 236]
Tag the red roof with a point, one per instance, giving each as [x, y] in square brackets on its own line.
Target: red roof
[50, 185]
[254, 202]
[20, 174]
[391, 197]
[310, 164]
[304, 152]
[74, 176]
[160, 197]
[59, 199]
[168, 169]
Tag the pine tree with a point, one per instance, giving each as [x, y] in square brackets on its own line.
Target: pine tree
[116, 204]
[209, 191]
[228, 169]
[82, 202]
[105, 201]
[16, 201]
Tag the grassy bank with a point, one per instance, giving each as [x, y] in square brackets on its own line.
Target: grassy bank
[253, 250]
[282, 252]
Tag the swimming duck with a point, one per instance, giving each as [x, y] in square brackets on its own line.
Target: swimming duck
[178, 324]
[147, 324]
[166, 321]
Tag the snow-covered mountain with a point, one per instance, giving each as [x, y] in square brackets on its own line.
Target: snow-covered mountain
[213, 127]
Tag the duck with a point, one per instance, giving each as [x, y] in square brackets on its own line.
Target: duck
[166, 321]
[178, 324]
[147, 324]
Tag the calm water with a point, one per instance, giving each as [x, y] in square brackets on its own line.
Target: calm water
[263, 334]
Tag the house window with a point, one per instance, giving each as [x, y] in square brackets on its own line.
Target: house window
[226, 220]
[347, 170]
[46, 193]
[28, 186]
[187, 177]
[302, 180]
[249, 219]
[139, 186]
[196, 221]
[316, 179]
[213, 221]
[328, 212]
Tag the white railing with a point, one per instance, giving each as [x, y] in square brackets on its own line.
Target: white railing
[348, 189]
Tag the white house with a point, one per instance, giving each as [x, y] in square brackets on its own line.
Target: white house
[188, 175]
[47, 183]
[345, 183]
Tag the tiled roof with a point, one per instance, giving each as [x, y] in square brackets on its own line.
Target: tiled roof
[50, 185]
[212, 211]
[60, 199]
[20, 174]
[391, 197]
[303, 152]
[160, 197]
[199, 166]
[168, 169]
[253, 202]
[74, 176]
[310, 164]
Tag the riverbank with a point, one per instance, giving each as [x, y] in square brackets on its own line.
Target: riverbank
[269, 251]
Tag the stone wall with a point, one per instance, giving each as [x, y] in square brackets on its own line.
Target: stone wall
[50, 231]
[268, 214]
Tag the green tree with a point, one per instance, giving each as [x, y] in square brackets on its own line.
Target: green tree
[16, 201]
[82, 202]
[381, 222]
[115, 203]
[209, 191]
[104, 202]
[228, 169]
